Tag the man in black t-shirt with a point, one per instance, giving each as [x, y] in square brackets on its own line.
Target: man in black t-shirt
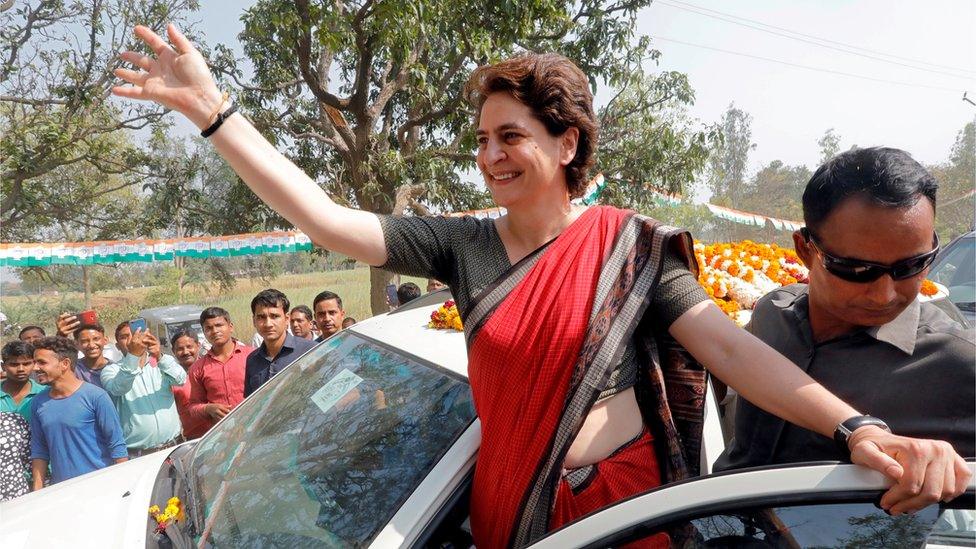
[858, 327]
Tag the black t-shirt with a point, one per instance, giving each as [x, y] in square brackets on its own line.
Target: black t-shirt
[916, 373]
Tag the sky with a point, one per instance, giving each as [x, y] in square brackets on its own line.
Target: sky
[920, 111]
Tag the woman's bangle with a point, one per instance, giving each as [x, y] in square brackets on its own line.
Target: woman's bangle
[219, 121]
[213, 116]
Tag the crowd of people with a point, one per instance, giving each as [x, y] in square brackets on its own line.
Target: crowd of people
[72, 403]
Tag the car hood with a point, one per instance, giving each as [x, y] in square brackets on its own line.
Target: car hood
[106, 508]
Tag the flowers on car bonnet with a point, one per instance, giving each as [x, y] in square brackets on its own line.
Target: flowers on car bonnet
[446, 317]
[172, 512]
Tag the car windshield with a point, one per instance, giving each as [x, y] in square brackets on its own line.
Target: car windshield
[174, 327]
[954, 269]
[327, 451]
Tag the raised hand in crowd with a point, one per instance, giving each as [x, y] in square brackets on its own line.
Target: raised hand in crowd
[67, 324]
[152, 342]
[139, 343]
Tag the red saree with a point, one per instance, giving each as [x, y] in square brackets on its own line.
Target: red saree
[543, 340]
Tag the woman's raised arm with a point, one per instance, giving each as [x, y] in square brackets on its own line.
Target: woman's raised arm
[177, 77]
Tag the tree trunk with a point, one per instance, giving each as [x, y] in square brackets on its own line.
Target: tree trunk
[378, 279]
[86, 282]
[180, 263]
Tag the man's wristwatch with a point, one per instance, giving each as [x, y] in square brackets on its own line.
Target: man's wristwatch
[843, 431]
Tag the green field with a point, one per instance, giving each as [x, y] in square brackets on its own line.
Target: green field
[116, 306]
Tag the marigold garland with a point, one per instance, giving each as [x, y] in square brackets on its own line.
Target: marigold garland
[172, 512]
[446, 317]
[736, 274]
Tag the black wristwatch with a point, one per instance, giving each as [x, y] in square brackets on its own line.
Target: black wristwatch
[843, 431]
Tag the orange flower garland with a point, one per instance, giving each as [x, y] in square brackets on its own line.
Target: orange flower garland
[446, 317]
[736, 274]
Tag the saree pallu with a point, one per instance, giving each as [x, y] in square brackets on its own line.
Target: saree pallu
[543, 340]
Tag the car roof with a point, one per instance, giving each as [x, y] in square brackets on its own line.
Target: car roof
[171, 313]
[406, 329]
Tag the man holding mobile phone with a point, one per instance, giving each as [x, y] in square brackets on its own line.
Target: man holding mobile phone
[141, 386]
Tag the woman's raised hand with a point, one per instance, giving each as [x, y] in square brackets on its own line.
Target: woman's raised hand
[177, 77]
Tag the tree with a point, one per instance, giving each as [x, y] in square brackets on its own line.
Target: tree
[829, 145]
[647, 141]
[367, 96]
[730, 157]
[957, 180]
[81, 204]
[55, 75]
[776, 190]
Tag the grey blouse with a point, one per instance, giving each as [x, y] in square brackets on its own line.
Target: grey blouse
[467, 254]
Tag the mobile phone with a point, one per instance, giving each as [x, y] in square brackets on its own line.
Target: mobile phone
[88, 317]
[391, 295]
[137, 324]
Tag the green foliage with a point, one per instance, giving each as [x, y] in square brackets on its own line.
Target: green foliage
[55, 113]
[694, 217]
[167, 289]
[729, 159]
[647, 140]
[776, 190]
[829, 146]
[957, 178]
[367, 95]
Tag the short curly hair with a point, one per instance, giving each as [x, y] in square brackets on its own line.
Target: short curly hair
[557, 92]
[60, 345]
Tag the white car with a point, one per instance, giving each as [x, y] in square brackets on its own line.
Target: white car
[370, 440]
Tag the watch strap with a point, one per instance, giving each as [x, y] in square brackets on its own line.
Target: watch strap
[842, 433]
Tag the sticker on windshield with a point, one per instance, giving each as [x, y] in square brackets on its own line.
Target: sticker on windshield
[334, 389]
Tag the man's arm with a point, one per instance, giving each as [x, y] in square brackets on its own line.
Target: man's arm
[197, 403]
[250, 371]
[109, 427]
[38, 449]
[173, 373]
[117, 377]
[38, 473]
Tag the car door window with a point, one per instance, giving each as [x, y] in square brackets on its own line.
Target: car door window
[327, 451]
[827, 525]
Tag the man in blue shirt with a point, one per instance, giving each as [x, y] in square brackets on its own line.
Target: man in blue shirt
[74, 425]
[269, 312]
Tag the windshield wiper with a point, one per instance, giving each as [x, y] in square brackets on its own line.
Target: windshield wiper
[177, 464]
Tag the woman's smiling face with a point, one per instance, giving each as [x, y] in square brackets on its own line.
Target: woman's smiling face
[517, 155]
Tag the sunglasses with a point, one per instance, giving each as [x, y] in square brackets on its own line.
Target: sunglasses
[857, 270]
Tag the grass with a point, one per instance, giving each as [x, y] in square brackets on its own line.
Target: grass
[118, 305]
